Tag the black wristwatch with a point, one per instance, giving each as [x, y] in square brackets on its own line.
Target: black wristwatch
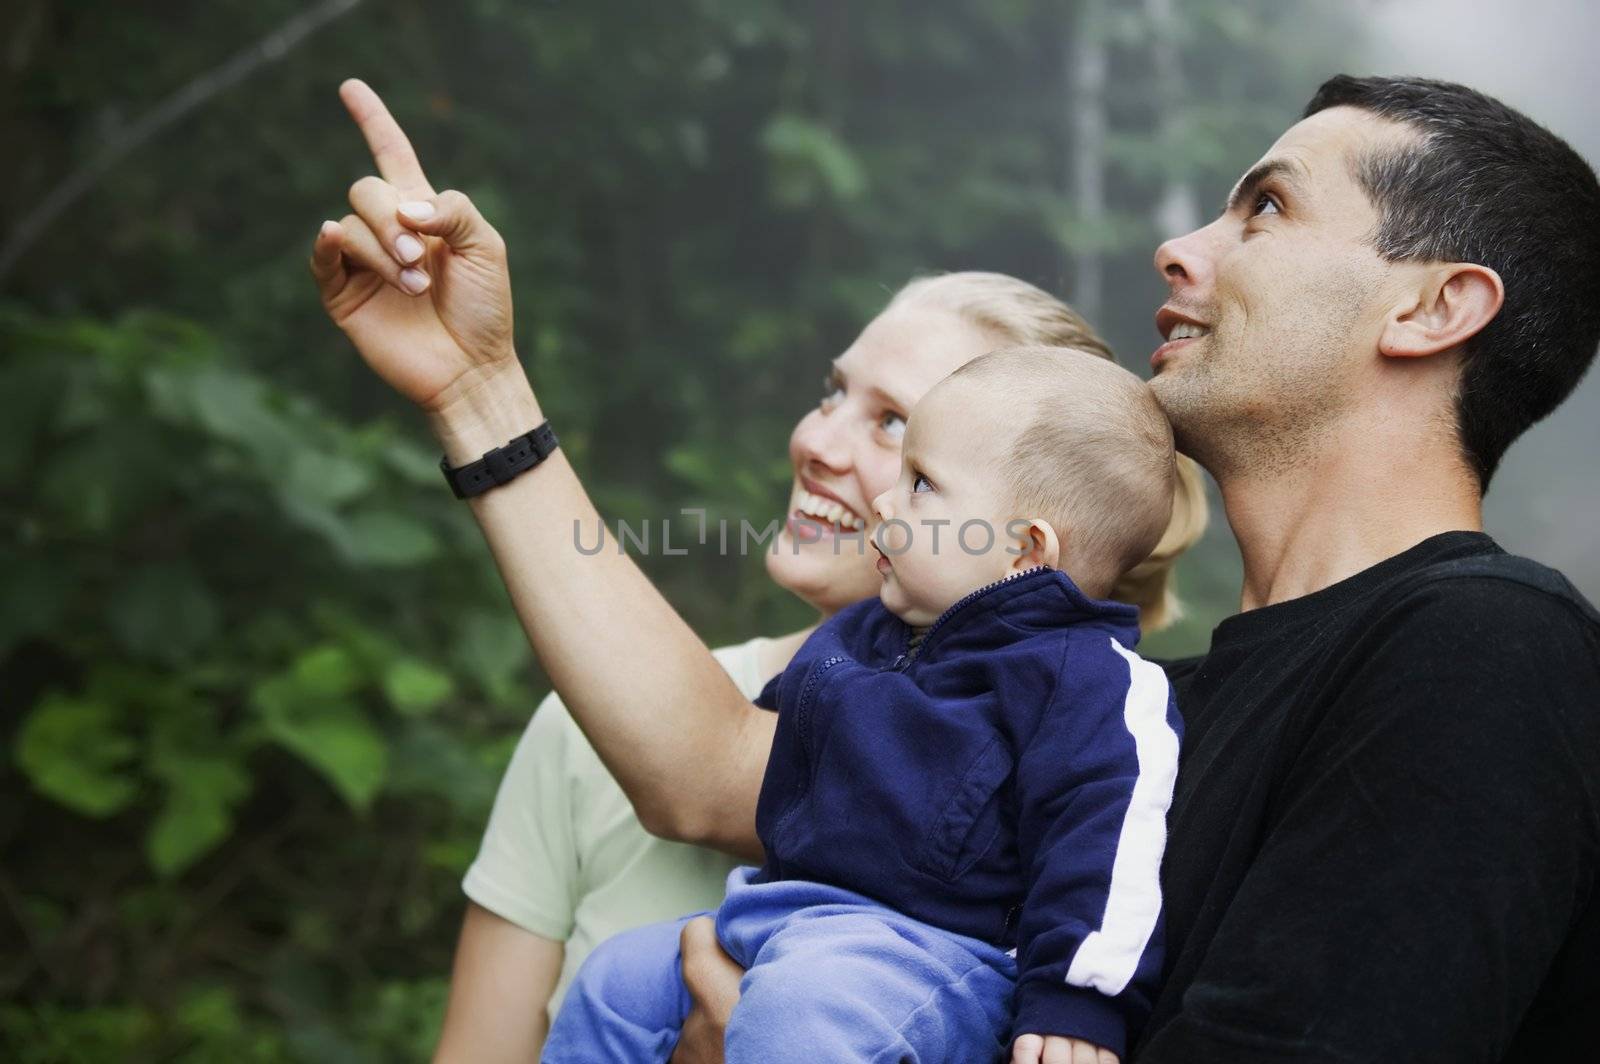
[501, 464]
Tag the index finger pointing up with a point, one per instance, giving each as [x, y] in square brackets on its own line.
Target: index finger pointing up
[396, 160]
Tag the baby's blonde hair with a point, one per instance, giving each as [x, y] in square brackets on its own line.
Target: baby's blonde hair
[1021, 314]
[1087, 450]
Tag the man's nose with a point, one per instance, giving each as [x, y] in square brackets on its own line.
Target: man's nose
[1186, 261]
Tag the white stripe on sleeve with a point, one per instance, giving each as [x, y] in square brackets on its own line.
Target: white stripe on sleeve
[1107, 958]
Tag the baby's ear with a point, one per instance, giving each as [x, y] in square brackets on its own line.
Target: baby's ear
[1037, 542]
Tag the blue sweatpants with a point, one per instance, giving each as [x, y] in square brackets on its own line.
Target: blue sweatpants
[831, 976]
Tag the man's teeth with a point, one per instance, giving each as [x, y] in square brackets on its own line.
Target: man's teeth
[1184, 330]
[827, 511]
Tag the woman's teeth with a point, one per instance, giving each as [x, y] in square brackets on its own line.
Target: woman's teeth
[827, 511]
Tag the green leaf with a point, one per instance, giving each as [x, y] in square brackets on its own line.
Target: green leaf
[415, 688]
[805, 155]
[306, 708]
[491, 649]
[73, 752]
[385, 538]
[412, 462]
[370, 644]
[329, 479]
[278, 696]
[209, 1011]
[234, 406]
[326, 671]
[202, 791]
[90, 483]
[452, 855]
[163, 612]
[697, 467]
[432, 760]
[340, 744]
[317, 518]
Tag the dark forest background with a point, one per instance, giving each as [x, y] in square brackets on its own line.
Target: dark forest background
[258, 677]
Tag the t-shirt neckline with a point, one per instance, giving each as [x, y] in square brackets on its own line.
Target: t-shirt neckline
[1269, 620]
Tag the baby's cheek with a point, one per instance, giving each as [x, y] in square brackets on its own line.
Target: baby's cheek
[947, 581]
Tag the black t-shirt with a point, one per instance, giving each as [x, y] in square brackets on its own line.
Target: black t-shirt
[1386, 828]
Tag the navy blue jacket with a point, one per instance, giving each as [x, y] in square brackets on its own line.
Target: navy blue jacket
[1006, 780]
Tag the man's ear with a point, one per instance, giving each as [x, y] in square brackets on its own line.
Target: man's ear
[1456, 300]
[1039, 545]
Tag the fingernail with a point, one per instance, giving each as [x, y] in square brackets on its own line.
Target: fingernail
[417, 210]
[327, 228]
[414, 281]
[408, 247]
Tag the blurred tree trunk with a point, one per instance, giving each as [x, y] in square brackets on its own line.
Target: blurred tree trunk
[1086, 63]
[830, 48]
[1178, 209]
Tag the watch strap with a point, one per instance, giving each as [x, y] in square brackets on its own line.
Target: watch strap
[501, 464]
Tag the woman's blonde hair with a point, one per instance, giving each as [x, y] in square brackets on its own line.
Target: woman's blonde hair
[1018, 313]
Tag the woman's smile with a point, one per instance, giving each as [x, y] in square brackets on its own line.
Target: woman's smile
[815, 504]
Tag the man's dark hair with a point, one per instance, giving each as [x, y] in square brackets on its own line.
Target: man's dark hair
[1486, 184]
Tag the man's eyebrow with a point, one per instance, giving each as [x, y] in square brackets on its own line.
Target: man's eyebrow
[1259, 175]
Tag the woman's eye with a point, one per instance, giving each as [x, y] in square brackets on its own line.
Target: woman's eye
[1265, 204]
[919, 484]
[893, 425]
[832, 390]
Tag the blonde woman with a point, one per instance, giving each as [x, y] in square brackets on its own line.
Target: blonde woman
[578, 846]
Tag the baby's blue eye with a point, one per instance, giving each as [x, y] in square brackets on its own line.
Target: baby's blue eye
[920, 483]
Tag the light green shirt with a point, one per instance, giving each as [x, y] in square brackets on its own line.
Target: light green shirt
[564, 856]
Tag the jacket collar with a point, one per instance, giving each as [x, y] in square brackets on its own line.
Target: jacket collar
[1022, 604]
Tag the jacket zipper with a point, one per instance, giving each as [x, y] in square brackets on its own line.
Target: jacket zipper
[802, 724]
[909, 655]
[1011, 922]
[803, 708]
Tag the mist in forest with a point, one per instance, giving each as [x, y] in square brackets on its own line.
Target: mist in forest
[1537, 56]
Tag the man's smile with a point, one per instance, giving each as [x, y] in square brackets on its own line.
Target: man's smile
[1179, 329]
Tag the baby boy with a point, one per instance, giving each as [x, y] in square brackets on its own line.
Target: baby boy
[964, 810]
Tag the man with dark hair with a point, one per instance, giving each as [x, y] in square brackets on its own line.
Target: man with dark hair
[1386, 831]
[1483, 184]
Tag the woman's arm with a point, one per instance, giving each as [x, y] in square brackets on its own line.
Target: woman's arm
[687, 748]
[499, 992]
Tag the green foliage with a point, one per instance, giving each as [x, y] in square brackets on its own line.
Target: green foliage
[74, 752]
[414, 688]
[258, 677]
[218, 668]
[808, 161]
[197, 810]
